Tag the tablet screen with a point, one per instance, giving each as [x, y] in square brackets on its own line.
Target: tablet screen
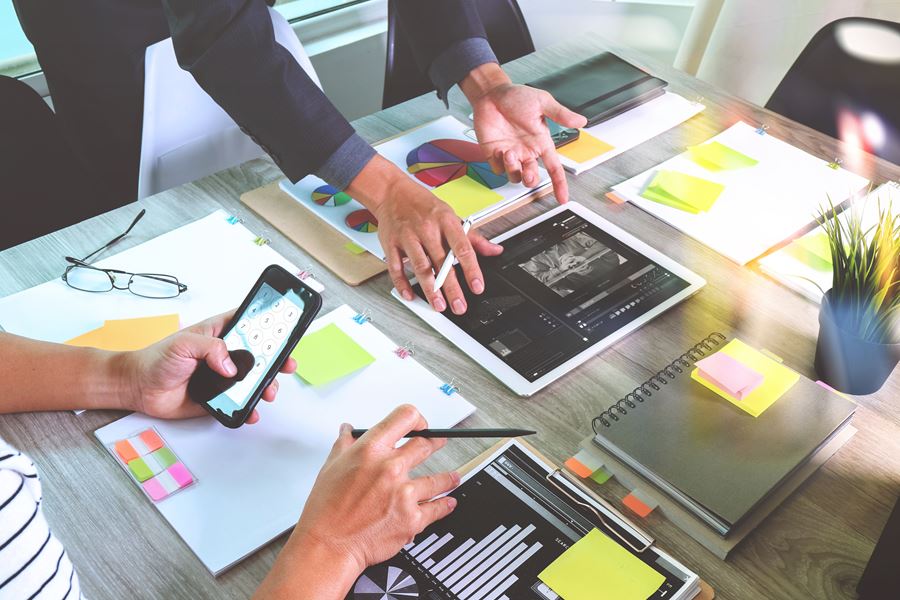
[560, 287]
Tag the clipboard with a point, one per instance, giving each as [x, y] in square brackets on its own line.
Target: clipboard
[706, 592]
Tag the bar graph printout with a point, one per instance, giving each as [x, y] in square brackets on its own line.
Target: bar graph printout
[510, 523]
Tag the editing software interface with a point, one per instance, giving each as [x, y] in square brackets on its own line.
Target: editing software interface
[557, 289]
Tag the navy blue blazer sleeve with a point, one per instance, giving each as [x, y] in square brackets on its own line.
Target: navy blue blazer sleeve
[229, 47]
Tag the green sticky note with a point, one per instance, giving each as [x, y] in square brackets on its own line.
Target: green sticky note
[353, 248]
[601, 475]
[719, 157]
[140, 470]
[813, 250]
[165, 457]
[683, 191]
[466, 196]
[329, 354]
[598, 568]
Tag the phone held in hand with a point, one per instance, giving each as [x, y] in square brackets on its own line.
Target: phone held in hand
[561, 135]
[265, 329]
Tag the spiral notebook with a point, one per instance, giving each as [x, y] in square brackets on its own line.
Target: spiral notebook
[716, 460]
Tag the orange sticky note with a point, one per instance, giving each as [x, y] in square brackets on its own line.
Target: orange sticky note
[585, 148]
[614, 198]
[121, 335]
[578, 468]
[125, 451]
[636, 505]
[152, 439]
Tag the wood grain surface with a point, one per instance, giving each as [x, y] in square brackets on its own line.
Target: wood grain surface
[814, 546]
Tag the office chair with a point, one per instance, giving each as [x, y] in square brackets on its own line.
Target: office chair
[43, 184]
[506, 30]
[185, 134]
[846, 84]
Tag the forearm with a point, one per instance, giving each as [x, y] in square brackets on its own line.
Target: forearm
[307, 569]
[40, 376]
[379, 180]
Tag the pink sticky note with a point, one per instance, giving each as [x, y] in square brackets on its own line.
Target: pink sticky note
[181, 475]
[731, 375]
[155, 489]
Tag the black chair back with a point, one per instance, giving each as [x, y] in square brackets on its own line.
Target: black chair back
[506, 30]
[846, 84]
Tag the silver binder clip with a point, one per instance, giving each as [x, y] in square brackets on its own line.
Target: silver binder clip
[762, 129]
[450, 388]
[835, 164]
[233, 220]
[699, 100]
[405, 351]
[361, 318]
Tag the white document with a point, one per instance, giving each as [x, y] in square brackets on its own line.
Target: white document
[636, 126]
[762, 205]
[396, 151]
[811, 279]
[252, 482]
[217, 260]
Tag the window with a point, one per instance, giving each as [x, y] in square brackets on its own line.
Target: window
[16, 54]
[296, 10]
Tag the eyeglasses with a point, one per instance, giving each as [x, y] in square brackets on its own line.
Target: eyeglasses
[80, 275]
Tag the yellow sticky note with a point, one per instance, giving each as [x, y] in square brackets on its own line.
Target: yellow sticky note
[353, 248]
[683, 191]
[813, 250]
[466, 196]
[777, 379]
[719, 157]
[585, 148]
[598, 568]
[329, 354]
[121, 335]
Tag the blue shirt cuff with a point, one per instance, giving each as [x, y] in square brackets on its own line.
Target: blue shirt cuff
[457, 61]
[348, 160]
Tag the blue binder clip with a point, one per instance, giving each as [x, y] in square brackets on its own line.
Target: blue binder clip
[362, 318]
[762, 129]
[233, 220]
[449, 388]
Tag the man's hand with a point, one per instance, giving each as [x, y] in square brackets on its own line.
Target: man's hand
[509, 123]
[158, 375]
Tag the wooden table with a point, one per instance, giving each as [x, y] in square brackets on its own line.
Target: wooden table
[814, 546]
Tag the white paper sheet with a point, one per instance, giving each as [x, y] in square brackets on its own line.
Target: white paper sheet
[761, 205]
[216, 259]
[396, 151]
[636, 126]
[252, 482]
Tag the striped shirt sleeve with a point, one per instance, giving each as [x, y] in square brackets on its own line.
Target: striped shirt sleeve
[33, 563]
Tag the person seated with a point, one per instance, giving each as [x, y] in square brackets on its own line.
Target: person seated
[363, 508]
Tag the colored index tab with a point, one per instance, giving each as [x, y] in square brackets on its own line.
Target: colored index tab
[329, 354]
[597, 568]
[813, 250]
[585, 148]
[719, 157]
[682, 191]
[729, 374]
[121, 335]
[353, 248]
[777, 379]
[466, 196]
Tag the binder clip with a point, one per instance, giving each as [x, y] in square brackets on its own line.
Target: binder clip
[405, 351]
[261, 241]
[762, 129]
[699, 100]
[361, 318]
[450, 388]
[835, 164]
[233, 220]
[304, 274]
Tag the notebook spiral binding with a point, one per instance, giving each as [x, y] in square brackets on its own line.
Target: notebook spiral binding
[655, 383]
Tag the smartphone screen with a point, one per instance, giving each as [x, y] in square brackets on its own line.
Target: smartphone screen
[263, 329]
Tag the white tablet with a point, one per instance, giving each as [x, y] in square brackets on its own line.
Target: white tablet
[568, 284]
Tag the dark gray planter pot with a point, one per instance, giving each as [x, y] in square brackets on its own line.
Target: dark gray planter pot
[847, 363]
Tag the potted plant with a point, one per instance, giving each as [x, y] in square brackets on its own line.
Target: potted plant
[859, 322]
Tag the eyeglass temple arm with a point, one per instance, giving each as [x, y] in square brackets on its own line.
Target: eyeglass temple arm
[139, 216]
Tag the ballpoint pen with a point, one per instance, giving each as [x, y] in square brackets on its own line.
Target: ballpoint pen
[448, 262]
[459, 433]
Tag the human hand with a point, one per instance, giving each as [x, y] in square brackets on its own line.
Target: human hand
[158, 375]
[510, 126]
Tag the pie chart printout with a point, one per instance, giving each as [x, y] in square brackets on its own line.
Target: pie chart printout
[437, 162]
[327, 195]
[362, 221]
[386, 583]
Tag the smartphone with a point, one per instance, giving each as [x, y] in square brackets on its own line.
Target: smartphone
[561, 135]
[264, 331]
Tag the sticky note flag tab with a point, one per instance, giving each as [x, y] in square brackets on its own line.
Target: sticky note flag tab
[125, 451]
[140, 469]
[598, 568]
[601, 476]
[777, 379]
[329, 354]
[353, 248]
[578, 468]
[585, 148]
[727, 373]
[719, 157]
[466, 196]
[584, 464]
[640, 503]
[682, 191]
[813, 250]
[120, 335]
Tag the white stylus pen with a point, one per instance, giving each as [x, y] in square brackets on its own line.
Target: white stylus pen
[448, 262]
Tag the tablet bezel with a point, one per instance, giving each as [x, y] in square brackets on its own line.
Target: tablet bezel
[506, 374]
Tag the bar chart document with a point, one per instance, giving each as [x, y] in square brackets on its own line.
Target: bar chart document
[515, 516]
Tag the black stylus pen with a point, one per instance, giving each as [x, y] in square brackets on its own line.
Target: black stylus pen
[460, 433]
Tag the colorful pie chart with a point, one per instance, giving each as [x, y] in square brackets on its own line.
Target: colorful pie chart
[327, 195]
[439, 161]
[362, 221]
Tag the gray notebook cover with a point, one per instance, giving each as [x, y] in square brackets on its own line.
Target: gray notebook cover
[721, 460]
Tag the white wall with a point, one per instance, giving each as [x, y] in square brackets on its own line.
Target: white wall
[755, 42]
